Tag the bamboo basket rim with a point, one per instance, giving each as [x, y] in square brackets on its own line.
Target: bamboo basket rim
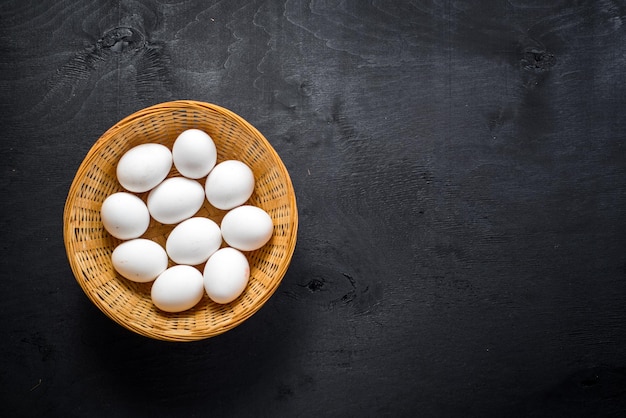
[88, 161]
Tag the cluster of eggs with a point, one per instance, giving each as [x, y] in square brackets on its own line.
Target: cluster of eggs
[194, 240]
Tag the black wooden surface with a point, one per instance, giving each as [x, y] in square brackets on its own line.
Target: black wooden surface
[460, 172]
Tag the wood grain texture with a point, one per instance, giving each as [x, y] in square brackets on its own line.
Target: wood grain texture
[461, 179]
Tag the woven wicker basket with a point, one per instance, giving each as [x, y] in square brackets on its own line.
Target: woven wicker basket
[89, 246]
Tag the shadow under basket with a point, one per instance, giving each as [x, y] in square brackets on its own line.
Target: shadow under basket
[89, 246]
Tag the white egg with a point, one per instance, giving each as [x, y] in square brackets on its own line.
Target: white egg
[226, 275]
[194, 153]
[193, 241]
[143, 167]
[247, 228]
[229, 184]
[124, 215]
[177, 289]
[175, 200]
[140, 260]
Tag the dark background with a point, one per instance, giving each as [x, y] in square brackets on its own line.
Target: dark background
[460, 172]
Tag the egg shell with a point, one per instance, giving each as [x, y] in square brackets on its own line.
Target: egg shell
[247, 228]
[143, 167]
[226, 275]
[177, 289]
[140, 260]
[194, 153]
[175, 200]
[124, 215]
[193, 241]
[229, 184]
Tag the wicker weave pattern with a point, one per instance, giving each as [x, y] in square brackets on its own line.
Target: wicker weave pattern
[89, 246]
